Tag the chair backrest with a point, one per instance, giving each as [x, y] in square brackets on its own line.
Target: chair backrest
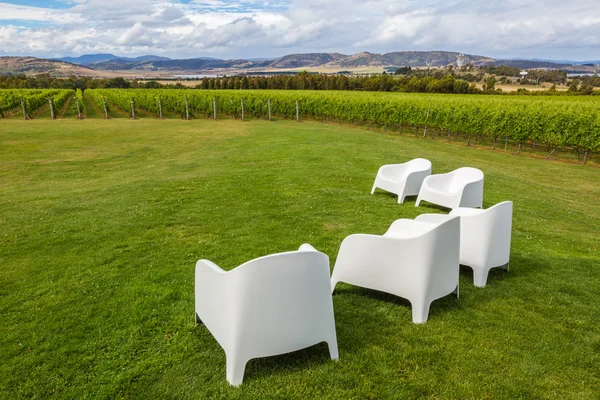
[488, 231]
[465, 175]
[281, 295]
[404, 265]
[445, 256]
[419, 164]
[499, 220]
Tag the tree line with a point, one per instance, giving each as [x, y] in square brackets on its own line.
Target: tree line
[418, 82]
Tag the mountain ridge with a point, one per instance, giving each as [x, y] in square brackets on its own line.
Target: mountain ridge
[103, 64]
[88, 59]
[11, 65]
[302, 60]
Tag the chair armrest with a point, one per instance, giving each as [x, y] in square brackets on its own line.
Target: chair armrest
[408, 228]
[438, 183]
[437, 177]
[307, 247]
[212, 299]
[209, 266]
[466, 211]
[435, 218]
[397, 167]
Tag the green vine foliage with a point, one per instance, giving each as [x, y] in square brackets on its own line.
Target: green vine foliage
[556, 121]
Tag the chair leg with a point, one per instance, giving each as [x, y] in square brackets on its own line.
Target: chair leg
[235, 371]
[418, 201]
[333, 349]
[420, 311]
[198, 320]
[400, 199]
[457, 292]
[505, 267]
[373, 189]
[480, 276]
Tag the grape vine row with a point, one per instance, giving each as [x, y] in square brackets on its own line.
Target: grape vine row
[558, 122]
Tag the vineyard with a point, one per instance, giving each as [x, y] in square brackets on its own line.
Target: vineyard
[555, 122]
[31, 101]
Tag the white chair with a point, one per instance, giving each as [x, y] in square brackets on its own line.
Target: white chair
[484, 237]
[413, 259]
[403, 179]
[462, 187]
[271, 305]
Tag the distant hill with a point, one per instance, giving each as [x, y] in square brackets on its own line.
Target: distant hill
[88, 59]
[295, 61]
[111, 65]
[36, 66]
[529, 64]
[568, 62]
[145, 58]
[306, 60]
[409, 58]
[192, 64]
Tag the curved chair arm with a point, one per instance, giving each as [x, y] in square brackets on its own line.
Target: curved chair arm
[212, 300]
[436, 177]
[466, 211]
[435, 218]
[209, 265]
[395, 167]
[471, 194]
[404, 228]
[307, 247]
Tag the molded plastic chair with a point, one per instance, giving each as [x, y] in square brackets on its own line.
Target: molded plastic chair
[413, 259]
[403, 179]
[271, 305]
[462, 187]
[484, 237]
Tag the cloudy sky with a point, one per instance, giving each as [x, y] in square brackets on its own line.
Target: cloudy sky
[549, 29]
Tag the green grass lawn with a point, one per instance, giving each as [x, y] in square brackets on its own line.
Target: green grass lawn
[101, 223]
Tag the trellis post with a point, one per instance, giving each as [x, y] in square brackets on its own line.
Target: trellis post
[132, 108]
[105, 108]
[51, 108]
[426, 119]
[24, 109]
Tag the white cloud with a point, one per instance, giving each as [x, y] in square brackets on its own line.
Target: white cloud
[137, 35]
[10, 12]
[255, 28]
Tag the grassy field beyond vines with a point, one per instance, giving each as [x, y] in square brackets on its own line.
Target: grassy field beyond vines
[102, 222]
